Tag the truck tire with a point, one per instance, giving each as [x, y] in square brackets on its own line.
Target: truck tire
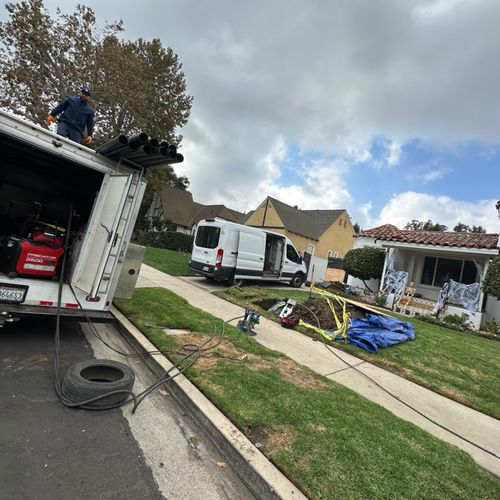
[95, 377]
[297, 280]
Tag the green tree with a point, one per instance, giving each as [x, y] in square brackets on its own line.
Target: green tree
[364, 264]
[461, 228]
[491, 283]
[417, 225]
[356, 228]
[477, 229]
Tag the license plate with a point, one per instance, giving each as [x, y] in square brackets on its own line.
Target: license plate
[206, 268]
[14, 294]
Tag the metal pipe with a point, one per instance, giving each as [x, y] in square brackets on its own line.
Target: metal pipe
[154, 142]
[112, 144]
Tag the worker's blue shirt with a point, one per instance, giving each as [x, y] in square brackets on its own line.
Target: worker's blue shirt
[76, 113]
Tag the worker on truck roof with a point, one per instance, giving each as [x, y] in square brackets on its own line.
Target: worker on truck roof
[76, 116]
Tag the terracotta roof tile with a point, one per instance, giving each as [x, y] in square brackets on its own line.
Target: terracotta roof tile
[388, 232]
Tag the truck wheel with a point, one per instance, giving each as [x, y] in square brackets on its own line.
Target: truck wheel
[96, 377]
[297, 280]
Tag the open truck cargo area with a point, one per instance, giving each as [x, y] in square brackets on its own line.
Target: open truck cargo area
[47, 182]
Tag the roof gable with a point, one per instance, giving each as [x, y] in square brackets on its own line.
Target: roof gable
[309, 223]
[388, 232]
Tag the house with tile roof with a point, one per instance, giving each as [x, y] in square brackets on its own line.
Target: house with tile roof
[182, 213]
[323, 234]
[432, 261]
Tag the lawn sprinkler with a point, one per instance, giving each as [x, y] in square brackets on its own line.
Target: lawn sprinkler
[250, 319]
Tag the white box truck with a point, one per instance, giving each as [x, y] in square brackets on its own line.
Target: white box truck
[226, 251]
[43, 178]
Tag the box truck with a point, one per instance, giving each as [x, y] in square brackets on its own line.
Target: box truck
[226, 251]
[46, 181]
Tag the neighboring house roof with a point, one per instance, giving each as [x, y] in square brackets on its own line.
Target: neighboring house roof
[309, 223]
[388, 232]
[212, 211]
[179, 207]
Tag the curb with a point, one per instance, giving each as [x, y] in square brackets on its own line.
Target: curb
[260, 476]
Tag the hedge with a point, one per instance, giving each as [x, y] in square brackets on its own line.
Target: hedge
[165, 239]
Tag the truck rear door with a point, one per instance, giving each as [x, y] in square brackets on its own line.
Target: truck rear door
[102, 234]
[251, 249]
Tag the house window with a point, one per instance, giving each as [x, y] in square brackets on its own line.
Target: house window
[345, 224]
[437, 271]
[310, 249]
[340, 222]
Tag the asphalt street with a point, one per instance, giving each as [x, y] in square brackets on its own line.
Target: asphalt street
[52, 452]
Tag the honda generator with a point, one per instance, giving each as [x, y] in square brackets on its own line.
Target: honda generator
[36, 256]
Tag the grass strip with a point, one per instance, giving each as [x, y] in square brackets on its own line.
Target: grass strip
[460, 366]
[330, 441]
[168, 261]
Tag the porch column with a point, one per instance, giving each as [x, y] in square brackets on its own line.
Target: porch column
[481, 279]
[382, 279]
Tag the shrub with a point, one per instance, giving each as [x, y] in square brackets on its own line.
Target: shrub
[364, 263]
[492, 326]
[462, 321]
[380, 299]
[491, 283]
[165, 239]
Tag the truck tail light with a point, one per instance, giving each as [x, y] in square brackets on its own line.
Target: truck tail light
[218, 259]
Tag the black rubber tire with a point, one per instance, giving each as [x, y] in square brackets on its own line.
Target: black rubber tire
[95, 377]
[297, 280]
[235, 282]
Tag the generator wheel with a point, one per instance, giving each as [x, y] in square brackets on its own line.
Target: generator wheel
[297, 280]
[96, 377]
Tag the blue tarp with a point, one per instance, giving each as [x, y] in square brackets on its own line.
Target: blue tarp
[374, 332]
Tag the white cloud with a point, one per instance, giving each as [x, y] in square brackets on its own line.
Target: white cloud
[404, 207]
[394, 153]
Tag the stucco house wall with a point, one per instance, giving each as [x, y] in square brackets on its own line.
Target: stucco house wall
[339, 238]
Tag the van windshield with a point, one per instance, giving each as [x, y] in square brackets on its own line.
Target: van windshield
[207, 236]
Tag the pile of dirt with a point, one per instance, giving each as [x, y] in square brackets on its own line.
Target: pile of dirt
[323, 313]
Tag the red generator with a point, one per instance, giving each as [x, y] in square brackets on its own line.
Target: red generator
[36, 257]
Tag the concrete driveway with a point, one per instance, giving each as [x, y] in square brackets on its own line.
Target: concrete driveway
[52, 452]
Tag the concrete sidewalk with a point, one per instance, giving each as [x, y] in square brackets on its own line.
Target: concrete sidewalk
[471, 425]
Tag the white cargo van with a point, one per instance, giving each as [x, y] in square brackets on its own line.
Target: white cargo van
[41, 176]
[232, 252]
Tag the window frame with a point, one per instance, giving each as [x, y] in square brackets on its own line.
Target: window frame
[433, 281]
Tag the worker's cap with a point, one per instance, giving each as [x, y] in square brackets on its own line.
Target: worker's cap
[85, 90]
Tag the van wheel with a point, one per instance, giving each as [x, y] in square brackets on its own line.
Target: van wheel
[297, 280]
[232, 281]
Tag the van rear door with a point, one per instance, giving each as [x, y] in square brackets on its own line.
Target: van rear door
[206, 243]
[251, 249]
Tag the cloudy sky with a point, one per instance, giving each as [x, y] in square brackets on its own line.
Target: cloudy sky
[388, 108]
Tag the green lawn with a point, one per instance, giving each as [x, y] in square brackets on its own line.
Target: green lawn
[458, 365]
[168, 261]
[328, 440]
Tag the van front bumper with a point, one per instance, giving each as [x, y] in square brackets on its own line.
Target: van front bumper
[218, 273]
